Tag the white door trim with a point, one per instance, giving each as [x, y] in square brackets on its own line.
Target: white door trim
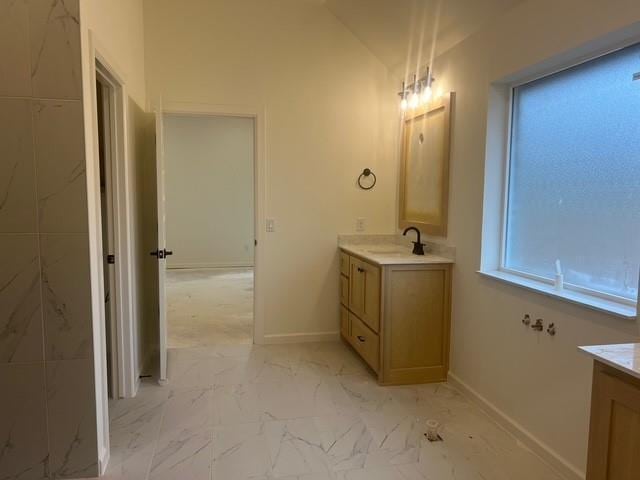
[260, 190]
[123, 248]
[108, 122]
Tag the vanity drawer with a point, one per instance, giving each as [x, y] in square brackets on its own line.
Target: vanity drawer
[344, 290]
[345, 329]
[365, 341]
[344, 264]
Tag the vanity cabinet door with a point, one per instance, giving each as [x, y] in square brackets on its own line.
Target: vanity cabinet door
[364, 292]
[614, 432]
[416, 324]
[344, 290]
[344, 323]
[344, 264]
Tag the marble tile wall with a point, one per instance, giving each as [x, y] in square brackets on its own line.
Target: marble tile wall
[48, 421]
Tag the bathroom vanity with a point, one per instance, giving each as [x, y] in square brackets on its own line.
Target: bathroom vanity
[614, 431]
[396, 310]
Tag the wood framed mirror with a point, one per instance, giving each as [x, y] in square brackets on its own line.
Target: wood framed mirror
[424, 167]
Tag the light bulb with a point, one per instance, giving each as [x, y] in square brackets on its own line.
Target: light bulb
[426, 95]
[414, 101]
[404, 104]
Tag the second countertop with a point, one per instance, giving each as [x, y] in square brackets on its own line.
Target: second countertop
[624, 357]
[392, 254]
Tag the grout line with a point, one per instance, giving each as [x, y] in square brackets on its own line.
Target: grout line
[43, 325]
[22, 364]
[34, 165]
[44, 233]
[39, 99]
[157, 436]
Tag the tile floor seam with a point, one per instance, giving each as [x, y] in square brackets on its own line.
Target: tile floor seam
[156, 439]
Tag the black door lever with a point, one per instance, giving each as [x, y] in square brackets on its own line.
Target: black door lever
[164, 253]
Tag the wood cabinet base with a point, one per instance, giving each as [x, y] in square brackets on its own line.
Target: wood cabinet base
[614, 432]
[397, 318]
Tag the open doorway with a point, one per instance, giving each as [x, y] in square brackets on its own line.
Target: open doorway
[210, 221]
[105, 112]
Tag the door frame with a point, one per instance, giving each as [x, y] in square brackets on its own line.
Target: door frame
[109, 124]
[101, 64]
[258, 114]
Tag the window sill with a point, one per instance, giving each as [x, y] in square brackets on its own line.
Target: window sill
[589, 301]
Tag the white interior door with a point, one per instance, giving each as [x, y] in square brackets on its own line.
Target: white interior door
[161, 252]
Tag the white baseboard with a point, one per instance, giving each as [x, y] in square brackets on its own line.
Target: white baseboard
[179, 266]
[301, 338]
[136, 386]
[530, 441]
[103, 460]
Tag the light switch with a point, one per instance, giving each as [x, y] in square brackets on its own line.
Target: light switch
[271, 225]
[360, 224]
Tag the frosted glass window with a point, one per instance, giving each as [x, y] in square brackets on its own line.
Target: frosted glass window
[574, 177]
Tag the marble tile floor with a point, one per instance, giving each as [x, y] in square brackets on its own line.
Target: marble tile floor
[303, 412]
[209, 306]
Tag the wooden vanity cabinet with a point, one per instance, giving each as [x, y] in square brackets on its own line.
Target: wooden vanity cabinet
[416, 313]
[365, 341]
[345, 325]
[397, 318]
[614, 433]
[344, 290]
[344, 264]
[364, 292]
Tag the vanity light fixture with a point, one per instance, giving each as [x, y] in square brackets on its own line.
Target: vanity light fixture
[417, 93]
[426, 94]
[404, 103]
[414, 100]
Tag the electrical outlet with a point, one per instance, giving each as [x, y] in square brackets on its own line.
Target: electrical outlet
[360, 224]
[271, 225]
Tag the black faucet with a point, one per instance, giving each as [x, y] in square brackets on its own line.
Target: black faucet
[418, 247]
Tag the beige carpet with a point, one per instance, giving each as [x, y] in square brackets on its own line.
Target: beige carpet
[209, 307]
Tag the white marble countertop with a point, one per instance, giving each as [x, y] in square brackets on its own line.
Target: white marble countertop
[392, 254]
[624, 357]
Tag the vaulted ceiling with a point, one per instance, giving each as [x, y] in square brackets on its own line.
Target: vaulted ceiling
[397, 31]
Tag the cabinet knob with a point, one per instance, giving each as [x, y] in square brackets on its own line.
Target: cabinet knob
[361, 338]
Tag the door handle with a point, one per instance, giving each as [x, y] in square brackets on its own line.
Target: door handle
[164, 253]
[361, 338]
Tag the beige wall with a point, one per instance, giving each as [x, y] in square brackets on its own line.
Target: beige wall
[117, 26]
[327, 117]
[209, 190]
[542, 383]
[48, 399]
